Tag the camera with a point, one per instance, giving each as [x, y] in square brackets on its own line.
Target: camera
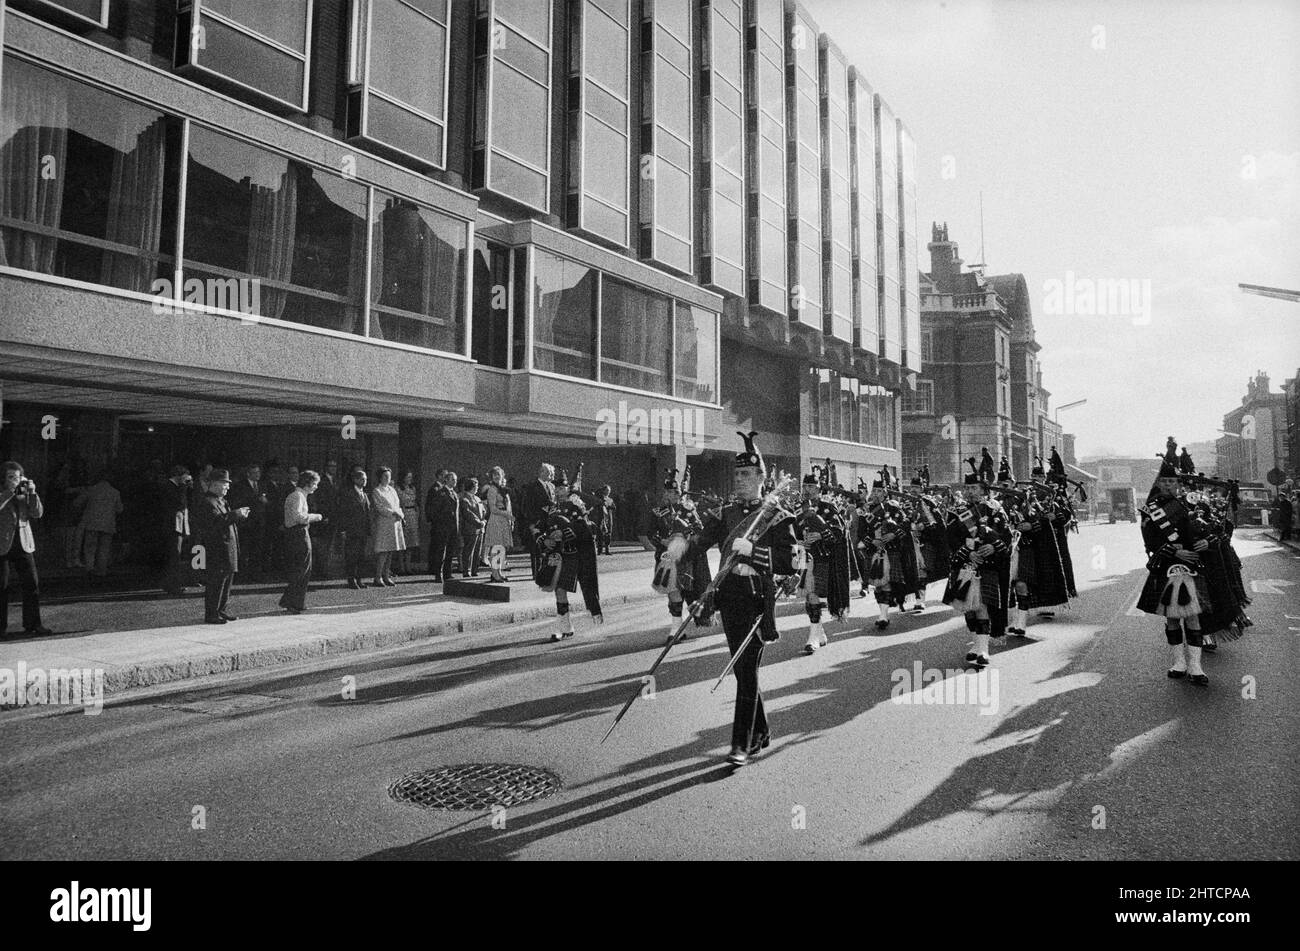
[24, 487]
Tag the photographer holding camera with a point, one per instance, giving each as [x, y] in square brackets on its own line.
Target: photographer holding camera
[19, 506]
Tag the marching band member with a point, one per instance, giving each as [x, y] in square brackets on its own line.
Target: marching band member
[827, 576]
[748, 594]
[980, 578]
[1174, 589]
[679, 577]
[566, 540]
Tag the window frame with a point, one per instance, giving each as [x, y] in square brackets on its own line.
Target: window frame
[58, 11]
[197, 12]
[362, 85]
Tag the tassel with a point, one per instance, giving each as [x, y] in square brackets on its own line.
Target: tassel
[1184, 596]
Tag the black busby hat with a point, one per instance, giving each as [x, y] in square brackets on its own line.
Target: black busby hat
[1185, 463]
[1037, 471]
[670, 479]
[1004, 471]
[561, 480]
[751, 457]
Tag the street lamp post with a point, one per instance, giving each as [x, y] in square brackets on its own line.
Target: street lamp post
[1057, 418]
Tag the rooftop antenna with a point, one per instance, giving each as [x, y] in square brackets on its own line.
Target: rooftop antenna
[980, 266]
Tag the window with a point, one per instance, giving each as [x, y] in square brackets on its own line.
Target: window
[910, 282]
[564, 316]
[398, 70]
[927, 347]
[804, 160]
[723, 251]
[249, 44]
[635, 337]
[77, 14]
[512, 92]
[765, 79]
[862, 137]
[491, 305]
[297, 230]
[695, 371]
[599, 173]
[921, 401]
[837, 231]
[666, 135]
[88, 182]
[891, 316]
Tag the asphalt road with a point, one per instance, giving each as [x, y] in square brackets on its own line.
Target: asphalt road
[1081, 749]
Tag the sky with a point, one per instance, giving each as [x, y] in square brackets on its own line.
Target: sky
[1153, 142]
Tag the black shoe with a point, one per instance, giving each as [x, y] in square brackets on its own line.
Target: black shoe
[738, 756]
[760, 743]
[1209, 648]
[882, 623]
[293, 610]
[1176, 674]
[1200, 680]
[40, 630]
[214, 620]
[981, 661]
[228, 617]
[970, 657]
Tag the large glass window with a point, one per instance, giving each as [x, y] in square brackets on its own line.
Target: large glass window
[891, 322]
[512, 100]
[417, 290]
[564, 316]
[298, 230]
[491, 305]
[599, 175]
[803, 153]
[666, 135]
[920, 401]
[77, 13]
[88, 181]
[723, 253]
[844, 408]
[250, 43]
[635, 337]
[696, 365]
[765, 79]
[837, 231]
[399, 64]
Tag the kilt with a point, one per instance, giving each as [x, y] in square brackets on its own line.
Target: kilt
[1225, 608]
[934, 551]
[1157, 580]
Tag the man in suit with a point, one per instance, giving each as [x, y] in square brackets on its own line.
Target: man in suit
[250, 493]
[352, 518]
[218, 533]
[176, 519]
[19, 506]
[538, 497]
[442, 508]
[321, 502]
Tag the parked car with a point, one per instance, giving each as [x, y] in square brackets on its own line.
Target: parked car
[1256, 499]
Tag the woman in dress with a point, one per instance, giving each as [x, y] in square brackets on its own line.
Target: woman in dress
[409, 495]
[386, 525]
[499, 534]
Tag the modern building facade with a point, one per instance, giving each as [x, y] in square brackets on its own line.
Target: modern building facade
[981, 385]
[449, 233]
[1261, 442]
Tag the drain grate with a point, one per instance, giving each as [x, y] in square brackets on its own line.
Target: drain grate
[475, 786]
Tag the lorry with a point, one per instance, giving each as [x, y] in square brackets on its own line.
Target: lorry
[1120, 503]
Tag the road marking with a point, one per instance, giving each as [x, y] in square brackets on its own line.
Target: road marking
[1270, 586]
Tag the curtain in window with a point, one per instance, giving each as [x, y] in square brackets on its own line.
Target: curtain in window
[272, 224]
[35, 132]
[135, 206]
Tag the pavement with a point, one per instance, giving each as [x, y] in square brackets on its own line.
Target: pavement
[143, 637]
[1081, 750]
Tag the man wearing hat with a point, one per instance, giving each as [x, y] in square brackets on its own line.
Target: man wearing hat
[1175, 589]
[565, 540]
[979, 585]
[823, 530]
[218, 533]
[681, 579]
[748, 593]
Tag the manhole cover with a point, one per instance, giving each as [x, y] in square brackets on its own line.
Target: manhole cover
[475, 786]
